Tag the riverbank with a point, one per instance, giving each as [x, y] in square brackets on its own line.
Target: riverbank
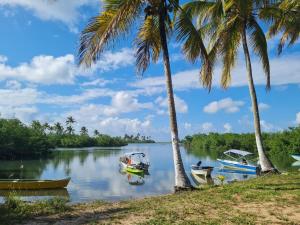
[265, 200]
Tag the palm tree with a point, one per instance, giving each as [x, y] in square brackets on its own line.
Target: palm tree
[96, 132]
[83, 131]
[154, 30]
[229, 23]
[70, 120]
[284, 17]
[70, 130]
[58, 128]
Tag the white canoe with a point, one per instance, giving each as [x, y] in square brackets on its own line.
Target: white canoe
[202, 170]
[296, 156]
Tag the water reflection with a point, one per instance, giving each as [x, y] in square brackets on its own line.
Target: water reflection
[200, 180]
[95, 173]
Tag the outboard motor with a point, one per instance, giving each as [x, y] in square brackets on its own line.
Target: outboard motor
[199, 163]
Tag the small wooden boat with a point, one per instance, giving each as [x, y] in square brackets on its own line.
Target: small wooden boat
[239, 160]
[27, 184]
[134, 162]
[202, 180]
[201, 170]
[296, 156]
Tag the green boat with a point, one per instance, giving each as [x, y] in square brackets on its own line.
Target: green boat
[134, 162]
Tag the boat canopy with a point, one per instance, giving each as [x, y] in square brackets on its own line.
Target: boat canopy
[135, 153]
[238, 152]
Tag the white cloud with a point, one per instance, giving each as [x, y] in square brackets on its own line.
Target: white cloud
[42, 69]
[268, 127]
[261, 107]
[26, 96]
[298, 118]
[66, 11]
[13, 84]
[187, 126]
[207, 127]
[3, 59]
[226, 104]
[100, 82]
[24, 113]
[114, 60]
[227, 127]
[189, 79]
[180, 104]
[48, 70]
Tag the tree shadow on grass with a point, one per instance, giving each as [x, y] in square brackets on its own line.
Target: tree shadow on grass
[279, 187]
[86, 217]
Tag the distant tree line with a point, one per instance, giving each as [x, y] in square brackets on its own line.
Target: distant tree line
[278, 145]
[138, 138]
[18, 140]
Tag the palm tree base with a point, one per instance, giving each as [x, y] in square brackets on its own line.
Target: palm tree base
[269, 172]
[178, 189]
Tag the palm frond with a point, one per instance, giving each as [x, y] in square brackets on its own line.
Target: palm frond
[148, 43]
[104, 28]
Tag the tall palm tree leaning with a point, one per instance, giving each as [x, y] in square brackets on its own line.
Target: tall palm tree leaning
[228, 22]
[116, 19]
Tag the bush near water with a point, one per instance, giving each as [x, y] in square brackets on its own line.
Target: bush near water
[278, 144]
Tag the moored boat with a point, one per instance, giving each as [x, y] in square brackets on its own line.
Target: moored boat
[28, 184]
[296, 156]
[239, 161]
[134, 162]
[201, 170]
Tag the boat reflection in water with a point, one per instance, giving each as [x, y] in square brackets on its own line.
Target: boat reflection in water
[135, 179]
[202, 179]
[30, 195]
[241, 174]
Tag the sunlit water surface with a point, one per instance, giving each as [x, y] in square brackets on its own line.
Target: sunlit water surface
[96, 175]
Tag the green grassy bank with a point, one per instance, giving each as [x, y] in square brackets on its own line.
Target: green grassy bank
[265, 200]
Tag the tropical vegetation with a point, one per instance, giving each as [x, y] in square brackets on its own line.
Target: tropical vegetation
[18, 140]
[138, 138]
[278, 145]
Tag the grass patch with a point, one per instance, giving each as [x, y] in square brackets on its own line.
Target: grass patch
[15, 210]
[236, 203]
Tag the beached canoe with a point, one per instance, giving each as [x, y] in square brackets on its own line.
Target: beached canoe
[27, 184]
[296, 156]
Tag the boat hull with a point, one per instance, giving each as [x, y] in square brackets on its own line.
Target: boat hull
[296, 156]
[131, 169]
[24, 184]
[205, 171]
[236, 165]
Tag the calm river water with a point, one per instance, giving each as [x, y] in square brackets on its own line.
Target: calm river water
[95, 173]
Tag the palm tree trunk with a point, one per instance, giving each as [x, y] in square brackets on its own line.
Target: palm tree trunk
[181, 179]
[265, 163]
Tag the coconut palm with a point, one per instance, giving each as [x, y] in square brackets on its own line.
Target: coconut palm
[229, 23]
[70, 120]
[153, 19]
[58, 128]
[70, 130]
[83, 131]
[96, 132]
[284, 17]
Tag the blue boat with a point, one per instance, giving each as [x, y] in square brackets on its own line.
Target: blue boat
[239, 161]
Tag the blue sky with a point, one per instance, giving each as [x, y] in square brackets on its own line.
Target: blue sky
[39, 79]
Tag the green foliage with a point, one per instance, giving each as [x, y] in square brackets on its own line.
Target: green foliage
[20, 141]
[278, 145]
